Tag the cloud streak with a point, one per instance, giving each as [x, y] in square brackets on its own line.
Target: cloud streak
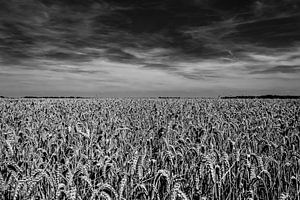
[279, 69]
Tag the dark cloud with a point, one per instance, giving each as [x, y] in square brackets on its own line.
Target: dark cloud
[75, 71]
[160, 67]
[293, 57]
[274, 32]
[194, 74]
[117, 54]
[193, 28]
[279, 69]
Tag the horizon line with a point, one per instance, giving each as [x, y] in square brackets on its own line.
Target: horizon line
[157, 97]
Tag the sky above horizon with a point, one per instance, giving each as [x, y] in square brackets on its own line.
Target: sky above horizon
[149, 48]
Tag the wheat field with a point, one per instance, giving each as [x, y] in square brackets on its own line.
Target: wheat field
[154, 149]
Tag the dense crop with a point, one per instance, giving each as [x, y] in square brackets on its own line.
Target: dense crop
[149, 149]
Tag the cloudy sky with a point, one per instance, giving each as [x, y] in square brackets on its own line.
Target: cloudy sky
[149, 48]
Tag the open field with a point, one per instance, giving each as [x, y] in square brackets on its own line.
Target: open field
[149, 149]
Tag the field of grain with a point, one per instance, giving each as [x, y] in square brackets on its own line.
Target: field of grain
[149, 149]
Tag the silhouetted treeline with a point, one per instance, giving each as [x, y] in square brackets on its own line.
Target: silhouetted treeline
[169, 97]
[54, 97]
[47, 97]
[262, 97]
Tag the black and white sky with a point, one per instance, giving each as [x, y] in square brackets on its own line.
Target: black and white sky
[149, 48]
